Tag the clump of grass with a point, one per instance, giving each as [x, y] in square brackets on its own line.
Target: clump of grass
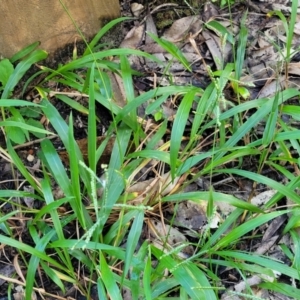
[107, 246]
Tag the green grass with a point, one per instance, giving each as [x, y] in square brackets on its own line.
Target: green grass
[108, 246]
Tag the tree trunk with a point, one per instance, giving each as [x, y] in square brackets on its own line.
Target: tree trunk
[26, 21]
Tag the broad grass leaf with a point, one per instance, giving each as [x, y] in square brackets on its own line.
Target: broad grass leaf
[61, 128]
[115, 180]
[104, 83]
[208, 97]
[51, 207]
[5, 227]
[101, 33]
[92, 126]
[20, 70]
[272, 264]
[15, 134]
[123, 222]
[76, 202]
[138, 101]
[270, 129]
[34, 262]
[281, 288]
[35, 123]
[25, 126]
[16, 102]
[252, 121]
[179, 126]
[101, 290]
[153, 154]
[218, 197]
[147, 276]
[188, 275]
[52, 274]
[109, 280]
[220, 30]
[284, 190]
[56, 121]
[132, 240]
[73, 104]
[154, 139]
[161, 287]
[258, 104]
[155, 104]
[22, 169]
[118, 252]
[24, 52]
[6, 70]
[238, 232]
[241, 49]
[172, 49]
[50, 157]
[31, 250]
[90, 58]
[296, 248]
[21, 194]
[126, 73]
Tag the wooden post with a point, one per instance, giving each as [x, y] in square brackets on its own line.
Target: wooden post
[26, 21]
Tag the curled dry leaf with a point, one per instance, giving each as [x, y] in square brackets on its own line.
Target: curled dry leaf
[213, 43]
[134, 37]
[6, 271]
[150, 28]
[136, 9]
[183, 28]
[118, 89]
[190, 215]
[29, 201]
[167, 237]
[144, 189]
[294, 68]
[262, 198]
[210, 11]
[83, 146]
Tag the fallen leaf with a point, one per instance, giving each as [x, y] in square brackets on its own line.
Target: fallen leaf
[134, 37]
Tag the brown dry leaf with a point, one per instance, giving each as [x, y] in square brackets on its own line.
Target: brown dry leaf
[119, 94]
[213, 43]
[83, 146]
[6, 271]
[262, 198]
[167, 237]
[297, 27]
[182, 28]
[190, 215]
[294, 68]
[136, 9]
[279, 84]
[20, 294]
[252, 282]
[150, 28]
[162, 184]
[210, 11]
[134, 37]
[29, 201]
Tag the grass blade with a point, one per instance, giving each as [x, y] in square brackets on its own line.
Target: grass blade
[20, 70]
[132, 240]
[108, 280]
[178, 128]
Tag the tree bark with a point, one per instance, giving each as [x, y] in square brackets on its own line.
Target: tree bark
[26, 21]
